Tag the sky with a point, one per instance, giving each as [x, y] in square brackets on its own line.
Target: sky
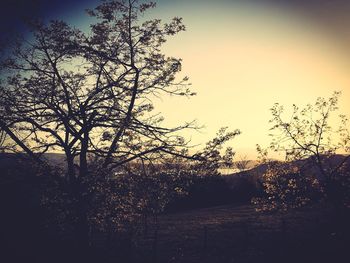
[242, 56]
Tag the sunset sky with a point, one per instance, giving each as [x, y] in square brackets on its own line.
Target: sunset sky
[242, 56]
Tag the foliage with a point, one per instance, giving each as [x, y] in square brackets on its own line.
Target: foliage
[86, 93]
[285, 187]
[317, 157]
[89, 95]
[211, 157]
[308, 131]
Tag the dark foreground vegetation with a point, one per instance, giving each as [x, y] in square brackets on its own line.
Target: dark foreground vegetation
[229, 233]
[213, 223]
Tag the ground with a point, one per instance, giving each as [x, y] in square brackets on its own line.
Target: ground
[236, 233]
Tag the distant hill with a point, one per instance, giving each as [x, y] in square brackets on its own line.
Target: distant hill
[53, 158]
[14, 165]
[308, 165]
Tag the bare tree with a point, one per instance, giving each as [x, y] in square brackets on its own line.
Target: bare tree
[83, 93]
[309, 140]
[90, 94]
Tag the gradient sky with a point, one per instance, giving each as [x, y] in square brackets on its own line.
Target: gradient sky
[242, 56]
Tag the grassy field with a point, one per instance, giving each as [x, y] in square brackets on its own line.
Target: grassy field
[236, 233]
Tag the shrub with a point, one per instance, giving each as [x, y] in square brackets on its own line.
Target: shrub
[285, 187]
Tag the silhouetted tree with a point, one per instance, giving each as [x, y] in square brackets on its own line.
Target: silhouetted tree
[317, 156]
[92, 92]
[89, 95]
[310, 136]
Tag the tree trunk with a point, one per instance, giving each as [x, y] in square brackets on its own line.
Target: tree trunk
[83, 154]
[83, 170]
[82, 227]
[70, 168]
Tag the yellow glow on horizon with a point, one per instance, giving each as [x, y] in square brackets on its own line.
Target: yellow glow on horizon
[244, 61]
